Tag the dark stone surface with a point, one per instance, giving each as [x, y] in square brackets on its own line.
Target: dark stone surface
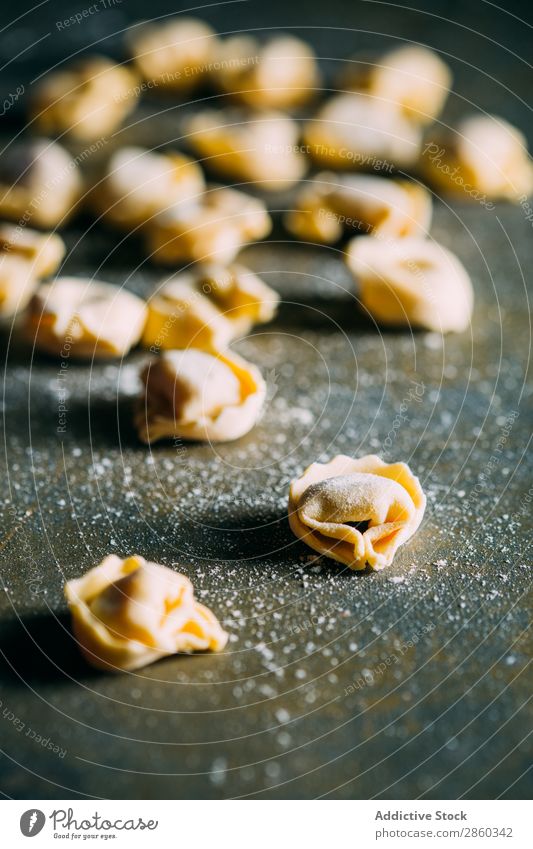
[411, 682]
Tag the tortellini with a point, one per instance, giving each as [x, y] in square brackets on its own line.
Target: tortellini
[207, 308]
[259, 148]
[39, 184]
[25, 257]
[194, 395]
[129, 613]
[88, 100]
[357, 512]
[277, 75]
[176, 54]
[357, 131]
[412, 77]
[85, 318]
[413, 282]
[213, 229]
[484, 158]
[140, 184]
[331, 204]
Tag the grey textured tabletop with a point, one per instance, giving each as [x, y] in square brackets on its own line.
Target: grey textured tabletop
[411, 682]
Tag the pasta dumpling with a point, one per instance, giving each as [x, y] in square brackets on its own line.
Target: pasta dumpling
[212, 230]
[331, 204]
[40, 183]
[199, 396]
[139, 184]
[277, 75]
[207, 308]
[357, 131]
[257, 148]
[174, 55]
[485, 157]
[87, 101]
[412, 77]
[413, 282]
[85, 318]
[129, 613]
[25, 257]
[356, 511]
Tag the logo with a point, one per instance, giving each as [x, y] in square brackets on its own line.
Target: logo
[32, 822]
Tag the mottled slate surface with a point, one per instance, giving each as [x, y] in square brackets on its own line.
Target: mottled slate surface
[411, 682]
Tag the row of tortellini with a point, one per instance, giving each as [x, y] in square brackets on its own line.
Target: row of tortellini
[164, 196]
[378, 117]
[414, 282]
[197, 388]
[404, 278]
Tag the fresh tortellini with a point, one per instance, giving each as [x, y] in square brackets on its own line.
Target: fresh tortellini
[358, 131]
[129, 613]
[413, 282]
[26, 256]
[207, 308]
[331, 204]
[177, 54]
[87, 100]
[193, 395]
[484, 158]
[259, 148]
[356, 511]
[139, 184]
[85, 318]
[40, 184]
[412, 77]
[279, 74]
[213, 229]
